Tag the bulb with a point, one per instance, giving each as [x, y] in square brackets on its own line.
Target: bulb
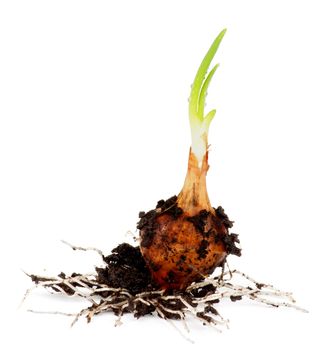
[184, 239]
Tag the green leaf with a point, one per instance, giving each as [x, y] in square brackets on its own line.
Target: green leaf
[208, 118]
[196, 89]
[203, 93]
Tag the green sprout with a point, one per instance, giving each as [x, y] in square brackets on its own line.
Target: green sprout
[199, 123]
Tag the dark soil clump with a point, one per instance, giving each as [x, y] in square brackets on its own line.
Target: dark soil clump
[126, 269]
[199, 220]
[148, 220]
[223, 216]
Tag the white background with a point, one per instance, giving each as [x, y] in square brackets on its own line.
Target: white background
[94, 128]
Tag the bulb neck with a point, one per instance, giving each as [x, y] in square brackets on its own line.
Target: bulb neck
[194, 196]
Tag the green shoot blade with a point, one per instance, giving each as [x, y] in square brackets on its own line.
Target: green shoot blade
[200, 76]
[203, 93]
[208, 118]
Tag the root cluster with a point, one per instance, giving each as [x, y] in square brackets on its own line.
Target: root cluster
[197, 301]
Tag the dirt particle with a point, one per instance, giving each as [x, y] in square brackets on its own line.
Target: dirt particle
[147, 237]
[203, 291]
[230, 241]
[199, 220]
[143, 309]
[148, 224]
[235, 297]
[223, 217]
[202, 250]
[155, 267]
[171, 277]
[169, 206]
[205, 317]
[211, 309]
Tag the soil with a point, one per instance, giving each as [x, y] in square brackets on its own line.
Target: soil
[126, 268]
[128, 281]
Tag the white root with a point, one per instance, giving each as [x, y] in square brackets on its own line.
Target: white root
[176, 306]
[51, 312]
[83, 249]
[159, 312]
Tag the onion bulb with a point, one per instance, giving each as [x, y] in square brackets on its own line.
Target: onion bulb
[184, 238]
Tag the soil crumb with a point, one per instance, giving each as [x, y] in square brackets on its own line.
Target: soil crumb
[125, 268]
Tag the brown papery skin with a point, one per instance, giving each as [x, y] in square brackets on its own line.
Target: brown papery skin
[180, 252]
[194, 194]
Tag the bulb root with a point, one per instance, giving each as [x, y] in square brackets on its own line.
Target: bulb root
[196, 301]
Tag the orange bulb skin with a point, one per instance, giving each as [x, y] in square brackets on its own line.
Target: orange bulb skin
[179, 248]
[179, 253]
